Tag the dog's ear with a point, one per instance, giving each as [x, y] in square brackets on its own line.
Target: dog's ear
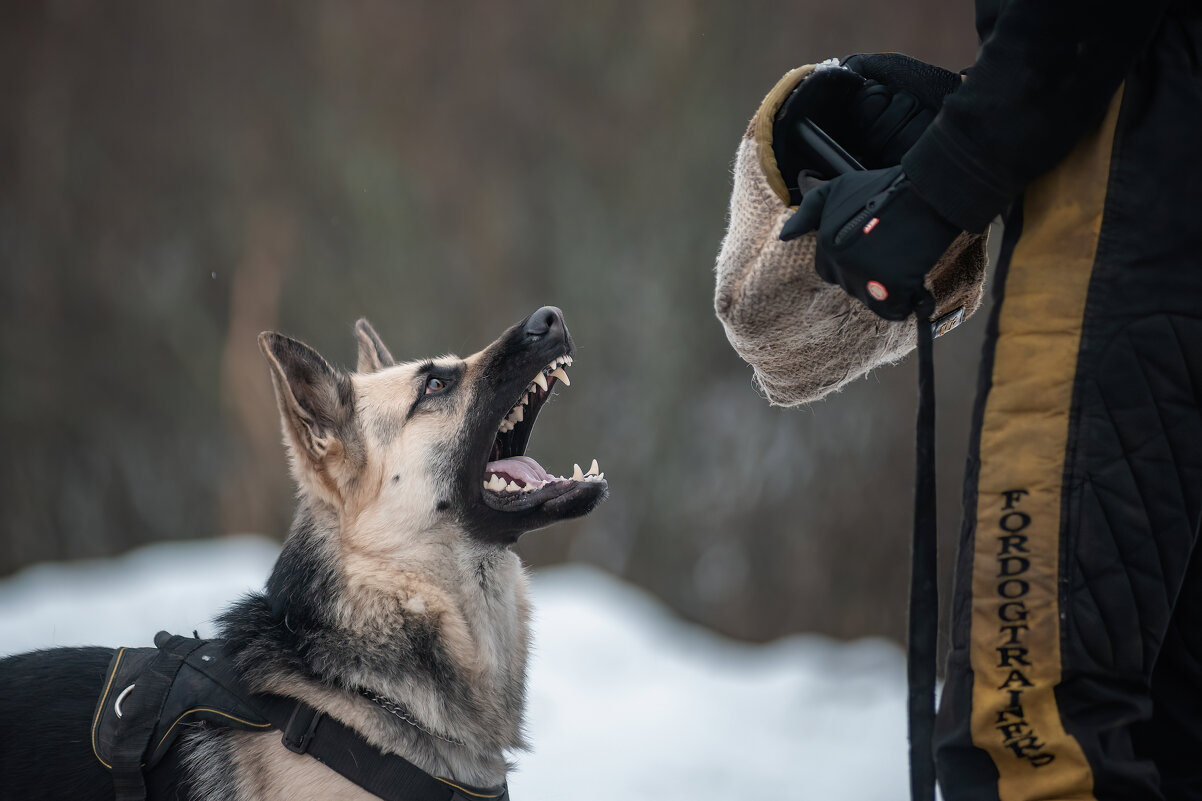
[373, 355]
[317, 409]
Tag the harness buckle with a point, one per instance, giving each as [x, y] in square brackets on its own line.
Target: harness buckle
[298, 734]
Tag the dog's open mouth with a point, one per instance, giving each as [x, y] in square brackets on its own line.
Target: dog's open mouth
[514, 481]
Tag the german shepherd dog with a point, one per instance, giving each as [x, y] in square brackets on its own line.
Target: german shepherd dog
[395, 587]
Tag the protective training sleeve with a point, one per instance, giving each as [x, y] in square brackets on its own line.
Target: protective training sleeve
[803, 337]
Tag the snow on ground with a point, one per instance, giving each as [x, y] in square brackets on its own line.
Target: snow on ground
[626, 701]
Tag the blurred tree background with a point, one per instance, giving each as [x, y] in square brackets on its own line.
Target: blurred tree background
[176, 177]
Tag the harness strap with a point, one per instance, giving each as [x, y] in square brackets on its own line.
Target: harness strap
[924, 590]
[141, 712]
[343, 750]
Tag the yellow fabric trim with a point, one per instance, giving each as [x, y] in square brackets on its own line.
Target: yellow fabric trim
[215, 712]
[761, 127]
[108, 686]
[465, 790]
[1015, 653]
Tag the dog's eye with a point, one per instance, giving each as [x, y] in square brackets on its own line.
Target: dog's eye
[435, 385]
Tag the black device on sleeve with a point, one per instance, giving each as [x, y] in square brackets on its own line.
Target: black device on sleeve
[824, 157]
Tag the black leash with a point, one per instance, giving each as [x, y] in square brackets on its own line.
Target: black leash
[924, 591]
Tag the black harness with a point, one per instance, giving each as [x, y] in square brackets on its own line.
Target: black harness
[150, 695]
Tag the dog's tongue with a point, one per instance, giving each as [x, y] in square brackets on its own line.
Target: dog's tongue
[522, 468]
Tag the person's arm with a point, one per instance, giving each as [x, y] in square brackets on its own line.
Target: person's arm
[1042, 79]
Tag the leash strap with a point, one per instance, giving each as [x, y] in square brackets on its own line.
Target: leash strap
[924, 590]
[343, 750]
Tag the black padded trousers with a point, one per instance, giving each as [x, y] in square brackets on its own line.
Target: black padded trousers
[1076, 662]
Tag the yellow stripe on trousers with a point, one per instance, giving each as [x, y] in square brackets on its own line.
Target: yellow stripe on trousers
[1024, 434]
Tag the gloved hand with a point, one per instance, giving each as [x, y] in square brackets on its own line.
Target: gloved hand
[876, 107]
[877, 238]
[899, 99]
[824, 98]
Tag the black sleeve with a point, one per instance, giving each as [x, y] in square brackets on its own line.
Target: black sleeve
[1043, 78]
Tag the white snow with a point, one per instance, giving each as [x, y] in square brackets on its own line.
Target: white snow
[626, 701]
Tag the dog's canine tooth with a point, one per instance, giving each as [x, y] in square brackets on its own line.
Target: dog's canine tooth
[541, 380]
[593, 469]
[577, 473]
[561, 375]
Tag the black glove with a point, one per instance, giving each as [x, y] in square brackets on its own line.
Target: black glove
[899, 99]
[824, 98]
[877, 238]
[926, 83]
[875, 108]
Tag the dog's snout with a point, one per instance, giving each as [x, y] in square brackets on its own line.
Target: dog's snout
[546, 321]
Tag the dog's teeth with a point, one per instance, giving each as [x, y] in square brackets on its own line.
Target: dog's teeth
[525, 399]
[517, 415]
[541, 380]
[512, 486]
[567, 360]
[561, 375]
[593, 469]
[577, 473]
[495, 483]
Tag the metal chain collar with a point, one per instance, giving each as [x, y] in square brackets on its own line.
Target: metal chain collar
[388, 705]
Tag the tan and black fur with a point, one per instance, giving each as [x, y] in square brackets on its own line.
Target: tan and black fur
[396, 579]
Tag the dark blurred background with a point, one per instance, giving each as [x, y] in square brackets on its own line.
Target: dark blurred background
[176, 177]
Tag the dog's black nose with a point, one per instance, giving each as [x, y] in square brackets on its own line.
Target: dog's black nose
[547, 320]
